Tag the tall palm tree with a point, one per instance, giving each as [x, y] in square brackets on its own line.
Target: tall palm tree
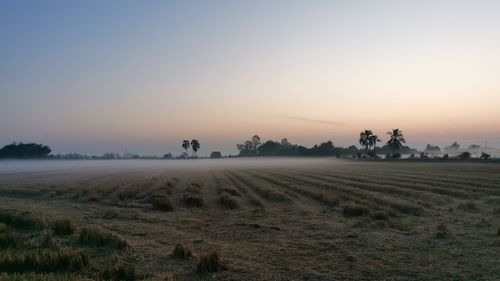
[396, 140]
[364, 138]
[185, 145]
[373, 139]
[195, 145]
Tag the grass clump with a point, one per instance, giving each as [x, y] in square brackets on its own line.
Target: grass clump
[3, 227]
[23, 220]
[355, 210]
[467, 206]
[228, 201]
[119, 272]
[442, 231]
[43, 260]
[98, 236]
[64, 227]
[380, 215]
[36, 277]
[161, 202]
[182, 251]
[212, 262]
[193, 200]
[11, 240]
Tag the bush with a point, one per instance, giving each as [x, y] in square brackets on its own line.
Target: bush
[182, 251]
[120, 272]
[355, 210]
[96, 235]
[464, 155]
[3, 227]
[63, 227]
[213, 262]
[442, 231]
[161, 202]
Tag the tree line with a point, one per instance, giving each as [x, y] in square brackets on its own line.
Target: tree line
[393, 147]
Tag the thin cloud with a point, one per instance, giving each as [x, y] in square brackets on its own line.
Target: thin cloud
[312, 120]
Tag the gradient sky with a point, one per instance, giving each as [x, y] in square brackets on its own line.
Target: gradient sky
[99, 76]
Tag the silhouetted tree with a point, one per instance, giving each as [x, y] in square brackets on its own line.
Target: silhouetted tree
[485, 156]
[21, 150]
[249, 147]
[464, 155]
[365, 138]
[185, 145]
[216, 154]
[396, 140]
[195, 146]
[373, 139]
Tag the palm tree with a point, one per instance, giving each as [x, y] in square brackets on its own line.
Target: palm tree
[185, 145]
[195, 145]
[396, 140]
[373, 139]
[364, 138]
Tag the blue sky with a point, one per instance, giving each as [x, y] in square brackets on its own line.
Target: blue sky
[98, 76]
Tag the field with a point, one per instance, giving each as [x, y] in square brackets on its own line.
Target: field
[276, 219]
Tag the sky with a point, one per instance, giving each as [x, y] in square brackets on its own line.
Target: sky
[140, 76]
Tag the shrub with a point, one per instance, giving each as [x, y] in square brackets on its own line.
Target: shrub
[3, 227]
[464, 155]
[96, 235]
[63, 227]
[119, 272]
[442, 231]
[193, 200]
[43, 261]
[161, 202]
[213, 262]
[182, 251]
[355, 210]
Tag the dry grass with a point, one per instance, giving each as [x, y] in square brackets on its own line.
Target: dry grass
[380, 215]
[98, 236]
[182, 251]
[37, 277]
[42, 260]
[193, 200]
[212, 262]
[64, 227]
[11, 240]
[24, 220]
[118, 272]
[442, 231]
[161, 201]
[229, 201]
[355, 210]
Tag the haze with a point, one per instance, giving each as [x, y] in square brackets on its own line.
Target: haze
[100, 76]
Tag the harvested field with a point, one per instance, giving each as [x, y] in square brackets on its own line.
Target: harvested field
[273, 219]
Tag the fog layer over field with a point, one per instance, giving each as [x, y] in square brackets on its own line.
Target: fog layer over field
[19, 166]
